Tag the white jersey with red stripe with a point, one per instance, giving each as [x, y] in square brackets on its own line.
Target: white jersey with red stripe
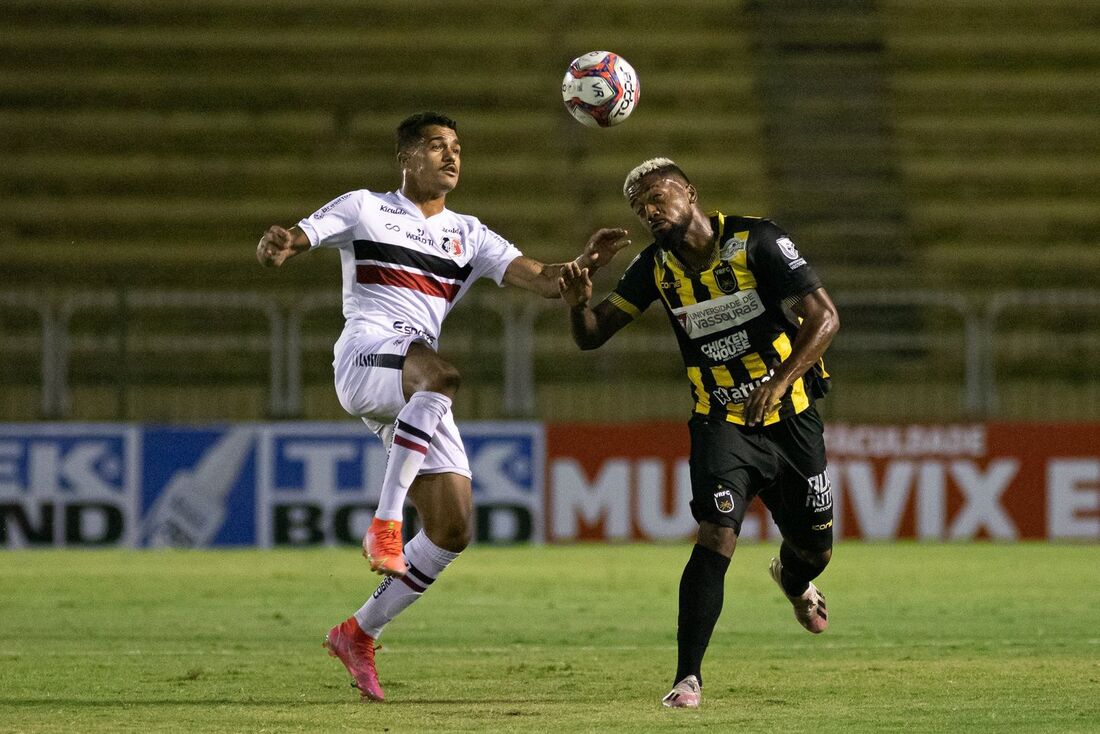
[403, 271]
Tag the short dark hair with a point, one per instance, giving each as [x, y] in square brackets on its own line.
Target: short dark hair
[409, 131]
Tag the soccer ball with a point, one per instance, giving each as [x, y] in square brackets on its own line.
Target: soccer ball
[600, 89]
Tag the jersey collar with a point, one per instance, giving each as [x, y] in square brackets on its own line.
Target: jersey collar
[717, 222]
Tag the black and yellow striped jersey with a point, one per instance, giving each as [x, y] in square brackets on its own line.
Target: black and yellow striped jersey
[730, 319]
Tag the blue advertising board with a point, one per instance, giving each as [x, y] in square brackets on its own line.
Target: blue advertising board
[271, 484]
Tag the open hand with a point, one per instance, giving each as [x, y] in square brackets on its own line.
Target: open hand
[602, 246]
[574, 285]
[763, 401]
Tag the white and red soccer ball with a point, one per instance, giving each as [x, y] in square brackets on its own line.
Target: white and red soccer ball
[600, 89]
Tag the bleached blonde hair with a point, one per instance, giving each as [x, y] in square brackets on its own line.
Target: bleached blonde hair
[653, 165]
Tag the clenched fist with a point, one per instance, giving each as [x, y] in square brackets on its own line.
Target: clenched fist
[275, 246]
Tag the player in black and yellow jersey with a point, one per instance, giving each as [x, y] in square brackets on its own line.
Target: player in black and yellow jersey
[753, 321]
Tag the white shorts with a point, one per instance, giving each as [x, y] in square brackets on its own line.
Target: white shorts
[368, 367]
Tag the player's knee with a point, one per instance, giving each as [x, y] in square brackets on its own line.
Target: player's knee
[441, 378]
[426, 371]
[445, 380]
[453, 535]
[717, 538]
[817, 558]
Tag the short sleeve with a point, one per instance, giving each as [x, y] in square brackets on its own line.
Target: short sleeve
[636, 288]
[332, 225]
[494, 255]
[777, 263]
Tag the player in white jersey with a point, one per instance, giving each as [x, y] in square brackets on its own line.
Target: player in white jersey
[406, 260]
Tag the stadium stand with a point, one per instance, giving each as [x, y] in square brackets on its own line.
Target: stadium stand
[146, 146]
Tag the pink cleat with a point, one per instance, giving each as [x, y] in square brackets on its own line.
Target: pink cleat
[383, 548]
[355, 648]
[809, 608]
[687, 694]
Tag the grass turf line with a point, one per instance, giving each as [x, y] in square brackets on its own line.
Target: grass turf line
[923, 638]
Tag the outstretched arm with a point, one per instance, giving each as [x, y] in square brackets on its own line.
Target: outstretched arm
[542, 280]
[278, 245]
[591, 327]
[820, 323]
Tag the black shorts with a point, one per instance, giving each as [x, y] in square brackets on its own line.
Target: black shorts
[783, 463]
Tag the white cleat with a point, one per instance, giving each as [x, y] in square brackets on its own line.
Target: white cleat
[809, 608]
[687, 694]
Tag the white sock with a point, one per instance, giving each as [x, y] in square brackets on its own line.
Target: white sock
[426, 561]
[413, 431]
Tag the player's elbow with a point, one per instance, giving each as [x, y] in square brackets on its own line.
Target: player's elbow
[832, 321]
[825, 320]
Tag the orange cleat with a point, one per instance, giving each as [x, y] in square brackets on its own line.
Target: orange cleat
[355, 648]
[382, 546]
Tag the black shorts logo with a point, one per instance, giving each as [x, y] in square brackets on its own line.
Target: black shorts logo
[723, 500]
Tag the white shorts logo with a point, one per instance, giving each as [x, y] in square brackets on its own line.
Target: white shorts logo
[819, 493]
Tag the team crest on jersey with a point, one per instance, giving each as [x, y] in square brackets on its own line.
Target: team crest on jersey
[723, 500]
[724, 277]
[452, 246]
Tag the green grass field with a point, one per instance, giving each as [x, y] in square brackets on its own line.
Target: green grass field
[940, 638]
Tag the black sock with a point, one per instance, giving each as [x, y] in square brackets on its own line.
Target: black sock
[797, 574]
[701, 593]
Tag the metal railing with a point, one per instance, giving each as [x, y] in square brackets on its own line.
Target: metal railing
[944, 343]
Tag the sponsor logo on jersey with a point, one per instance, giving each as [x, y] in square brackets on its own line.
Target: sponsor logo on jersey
[421, 236]
[791, 253]
[320, 213]
[724, 277]
[731, 247]
[739, 393]
[393, 210]
[718, 314]
[669, 285]
[723, 500]
[728, 347]
[452, 246]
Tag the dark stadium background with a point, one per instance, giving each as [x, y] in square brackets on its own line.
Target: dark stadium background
[938, 162]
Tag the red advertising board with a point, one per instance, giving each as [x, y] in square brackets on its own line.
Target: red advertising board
[1001, 481]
